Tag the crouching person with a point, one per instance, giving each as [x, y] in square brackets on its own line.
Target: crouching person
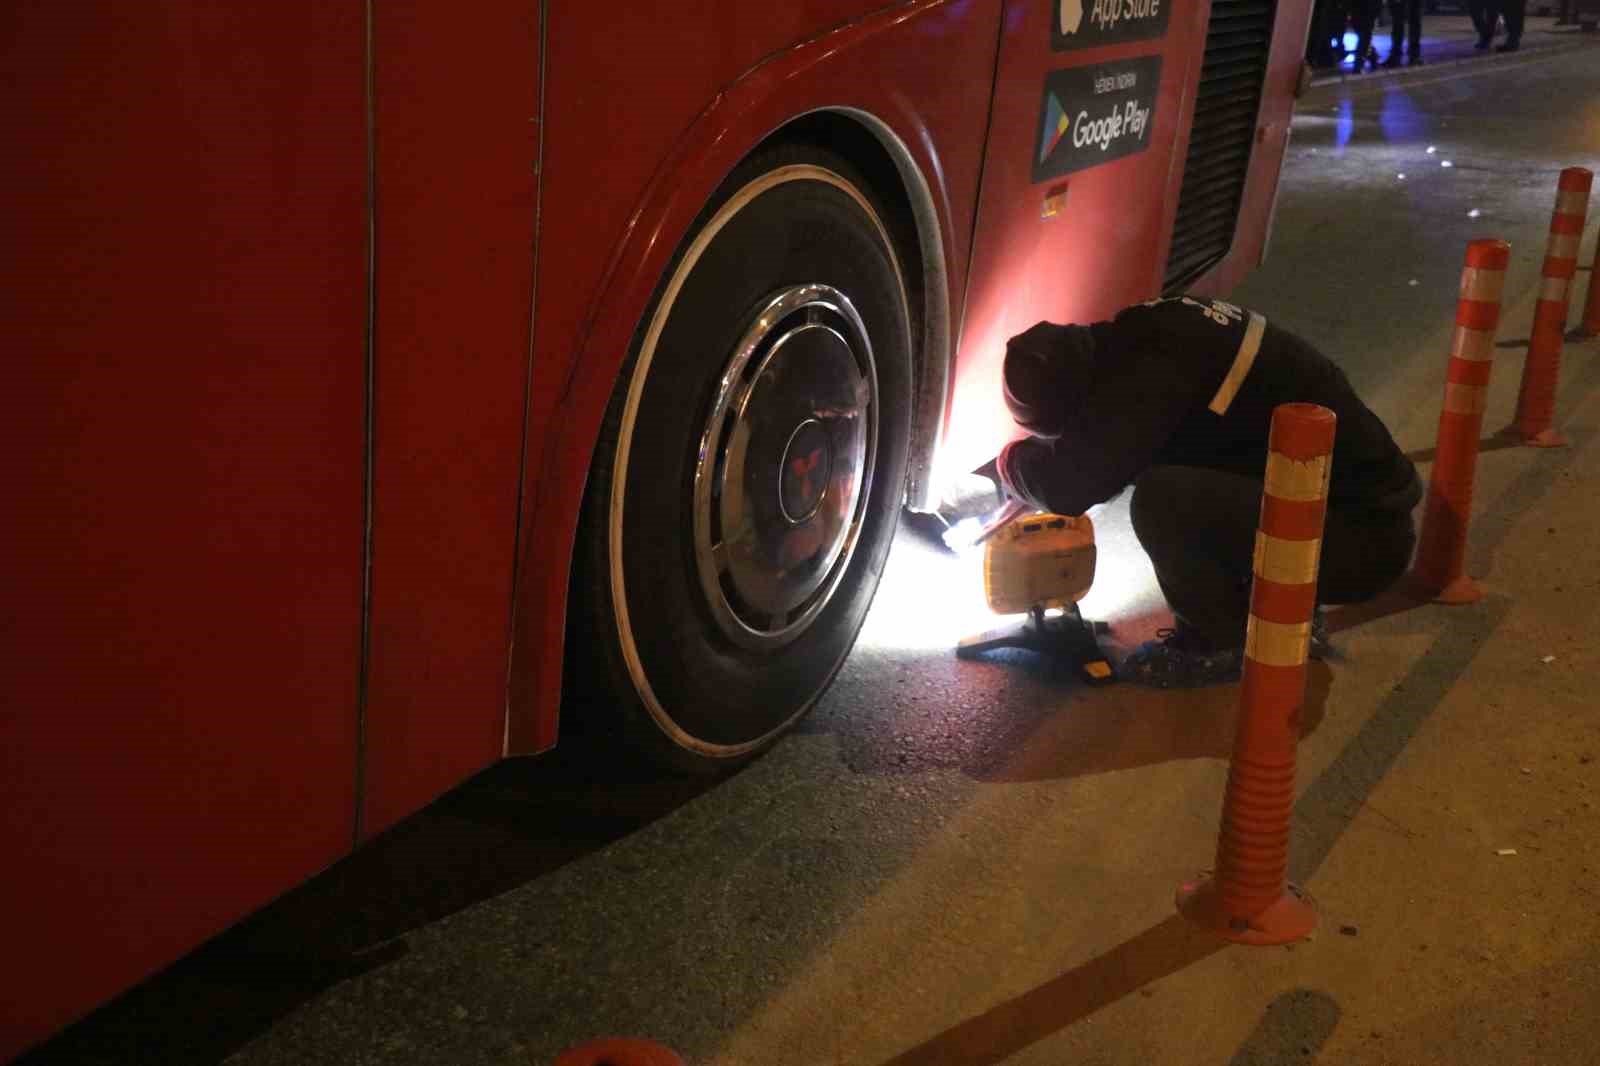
[1175, 397]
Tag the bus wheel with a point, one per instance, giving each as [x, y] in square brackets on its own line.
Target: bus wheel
[751, 470]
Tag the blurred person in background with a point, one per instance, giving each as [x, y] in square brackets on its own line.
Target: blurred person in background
[1363, 15]
[1406, 16]
[1513, 12]
[1326, 45]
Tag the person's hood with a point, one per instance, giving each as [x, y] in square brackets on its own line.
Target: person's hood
[1047, 374]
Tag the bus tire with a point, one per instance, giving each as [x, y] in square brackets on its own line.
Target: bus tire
[749, 475]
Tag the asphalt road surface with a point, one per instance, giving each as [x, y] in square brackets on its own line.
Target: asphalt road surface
[975, 862]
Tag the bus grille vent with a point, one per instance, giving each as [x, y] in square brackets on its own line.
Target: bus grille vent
[1224, 132]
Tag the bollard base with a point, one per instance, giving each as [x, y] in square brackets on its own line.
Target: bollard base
[618, 1051]
[1290, 918]
[1463, 590]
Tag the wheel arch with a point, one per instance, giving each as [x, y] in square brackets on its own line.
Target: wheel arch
[900, 187]
[906, 175]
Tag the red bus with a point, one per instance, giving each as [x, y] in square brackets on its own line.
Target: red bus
[372, 369]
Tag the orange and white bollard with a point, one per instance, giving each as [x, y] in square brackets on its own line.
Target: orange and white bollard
[1248, 898]
[1440, 566]
[1536, 401]
[618, 1051]
[1591, 307]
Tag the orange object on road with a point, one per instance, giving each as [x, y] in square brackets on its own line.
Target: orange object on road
[1536, 401]
[1249, 899]
[618, 1051]
[1440, 566]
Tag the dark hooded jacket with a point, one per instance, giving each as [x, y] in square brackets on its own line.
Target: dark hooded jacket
[1182, 382]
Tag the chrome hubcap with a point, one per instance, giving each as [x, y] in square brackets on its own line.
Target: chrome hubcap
[785, 466]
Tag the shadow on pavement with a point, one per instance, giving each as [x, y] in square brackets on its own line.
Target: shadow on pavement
[511, 824]
[1294, 1028]
[1497, 442]
[1332, 801]
[1009, 1027]
[1491, 528]
[1036, 720]
[1324, 811]
[1126, 726]
[1403, 597]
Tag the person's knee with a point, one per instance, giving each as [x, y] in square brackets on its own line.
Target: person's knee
[1154, 507]
[1360, 568]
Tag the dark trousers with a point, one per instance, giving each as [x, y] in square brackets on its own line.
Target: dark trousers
[1478, 11]
[1363, 13]
[1319, 43]
[1328, 20]
[1510, 10]
[1199, 526]
[1406, 16]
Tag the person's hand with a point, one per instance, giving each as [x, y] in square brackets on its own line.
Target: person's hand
[1011, 469]
[991, 470]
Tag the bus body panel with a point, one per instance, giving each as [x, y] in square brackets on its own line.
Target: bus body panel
[1069, 248]
[1105, 242]
[184, 285]
[1284, 65]
[456, 138]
